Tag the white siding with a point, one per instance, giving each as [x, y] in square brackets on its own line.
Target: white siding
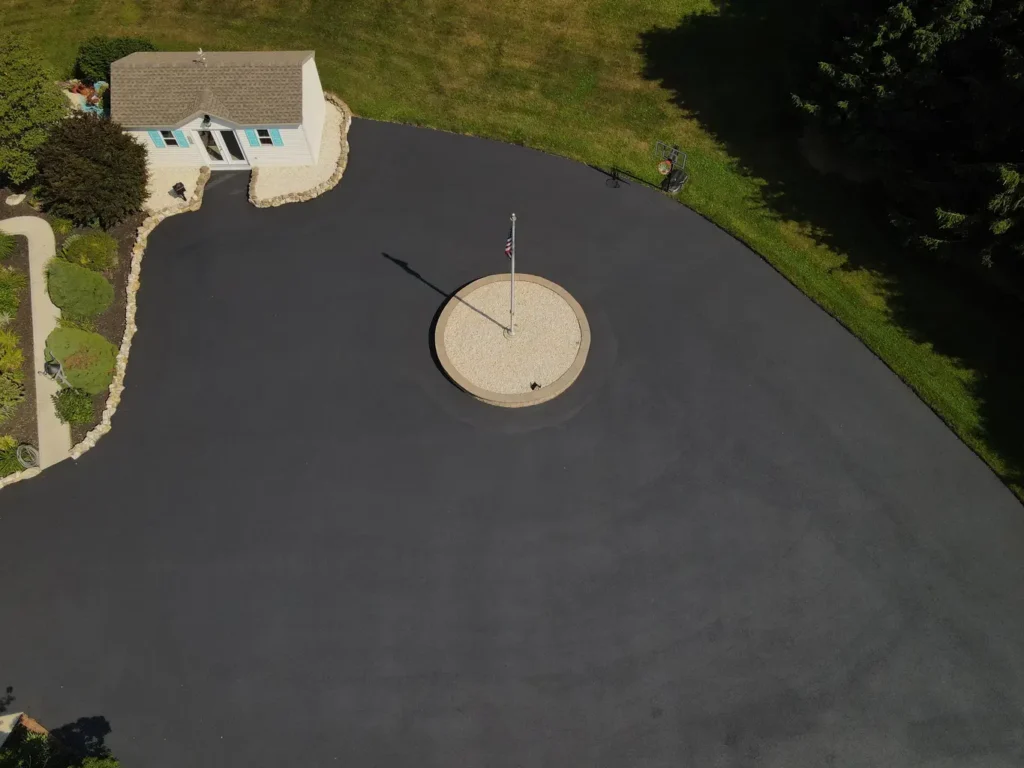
[313, 107]
[300, 147]
[169, 156]
[294, 152]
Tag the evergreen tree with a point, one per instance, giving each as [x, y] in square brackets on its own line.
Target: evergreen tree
[30, 102]
[929, 97]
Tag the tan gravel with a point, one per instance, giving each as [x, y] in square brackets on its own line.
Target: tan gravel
[276, 180]
[160, 197]
[545, 344]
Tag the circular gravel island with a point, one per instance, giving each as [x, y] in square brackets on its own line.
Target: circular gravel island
[536, 363]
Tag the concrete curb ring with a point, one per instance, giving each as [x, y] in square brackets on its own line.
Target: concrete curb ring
[476, 336]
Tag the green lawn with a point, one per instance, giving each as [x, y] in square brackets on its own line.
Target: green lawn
[600, 81]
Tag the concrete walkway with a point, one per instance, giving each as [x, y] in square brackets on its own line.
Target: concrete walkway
[54, 437]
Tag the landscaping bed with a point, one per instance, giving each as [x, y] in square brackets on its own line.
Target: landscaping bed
[22, 423]
[110, 323]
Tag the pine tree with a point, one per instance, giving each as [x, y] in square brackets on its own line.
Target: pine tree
[30, 102]
[929, 97]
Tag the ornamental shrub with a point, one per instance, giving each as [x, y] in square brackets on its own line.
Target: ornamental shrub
[6, 245]
[11, 356]
[91, 172]
[12, 284]
[62, 227]
[30, 102]
[73, 406]
[94, 250]
[77, 290]
[96, 55]
[9, 464]
[11, 393]
[87, 358]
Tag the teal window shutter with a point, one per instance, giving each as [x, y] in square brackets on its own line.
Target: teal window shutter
[275, 136]
[157, 139]
[250, 134]
[179, 136]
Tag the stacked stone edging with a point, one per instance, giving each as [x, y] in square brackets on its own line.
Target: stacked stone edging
[319, 189]
[117, 384]
[25, 474]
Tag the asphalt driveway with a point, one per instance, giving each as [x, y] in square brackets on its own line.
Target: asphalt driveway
[738, 540]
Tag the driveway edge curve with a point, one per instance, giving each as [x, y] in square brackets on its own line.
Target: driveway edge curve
[319, 189]
[134, 282]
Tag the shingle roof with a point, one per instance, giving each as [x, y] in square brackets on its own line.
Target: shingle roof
[164, 89]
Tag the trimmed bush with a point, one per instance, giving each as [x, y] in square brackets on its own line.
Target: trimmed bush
[73, 406]
[11, 356]
[62, 227]
[76, 289]
[12, 284]
[93, 250]
[96, 55]
[6, 245]
[91, 172]
[11, 393]
[87, 358]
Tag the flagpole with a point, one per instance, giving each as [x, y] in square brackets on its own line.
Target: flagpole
[512, 284]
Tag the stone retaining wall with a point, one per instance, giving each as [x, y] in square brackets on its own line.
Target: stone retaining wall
[117, 384]
[319, 189]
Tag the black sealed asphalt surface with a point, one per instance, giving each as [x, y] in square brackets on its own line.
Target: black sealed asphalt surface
[737, 540]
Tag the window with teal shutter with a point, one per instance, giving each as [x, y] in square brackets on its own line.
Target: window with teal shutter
[250, 134]
[156, 138]
[275, 136]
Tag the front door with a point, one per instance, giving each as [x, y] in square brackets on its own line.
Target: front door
[233, 148]
[222, 149]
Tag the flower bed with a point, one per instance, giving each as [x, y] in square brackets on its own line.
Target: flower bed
[21, 425]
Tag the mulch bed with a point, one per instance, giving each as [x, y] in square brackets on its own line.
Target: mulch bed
[110, 324]
[22, 424]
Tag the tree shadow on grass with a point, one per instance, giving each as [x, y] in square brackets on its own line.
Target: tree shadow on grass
[733, 71]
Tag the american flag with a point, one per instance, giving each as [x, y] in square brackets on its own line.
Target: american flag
[508, 243]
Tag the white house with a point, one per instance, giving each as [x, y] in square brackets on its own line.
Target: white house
[225, 110]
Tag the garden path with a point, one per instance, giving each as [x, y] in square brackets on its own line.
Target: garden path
[54, 437]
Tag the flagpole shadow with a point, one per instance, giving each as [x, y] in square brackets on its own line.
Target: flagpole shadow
[404, 266]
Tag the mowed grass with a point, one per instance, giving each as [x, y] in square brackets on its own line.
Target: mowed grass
[600, 81]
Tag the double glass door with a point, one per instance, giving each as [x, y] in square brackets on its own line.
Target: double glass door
[222, 148]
